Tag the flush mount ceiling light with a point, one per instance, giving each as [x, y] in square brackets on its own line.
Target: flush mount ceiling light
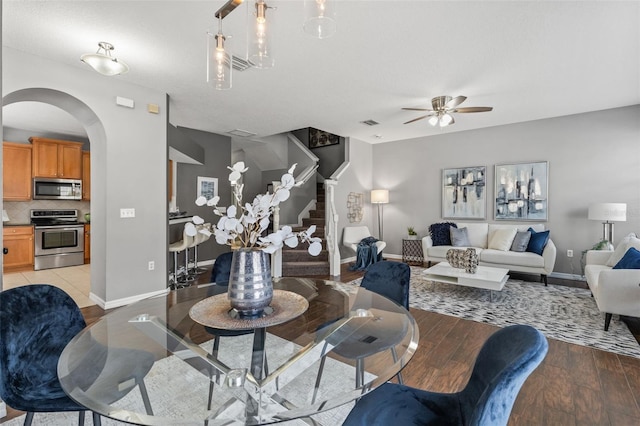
[103, 62]
[442, 108]
[320, 18]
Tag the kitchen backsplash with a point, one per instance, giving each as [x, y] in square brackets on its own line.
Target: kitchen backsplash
[19, 211]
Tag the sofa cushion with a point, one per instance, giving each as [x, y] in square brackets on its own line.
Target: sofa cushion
[630, 260]
[524, 259]
[629, 241]
[501, 239]
[459, 237]
[538, 241]
[440, 252]
[521, 241]
[477, 232]
[439, 233]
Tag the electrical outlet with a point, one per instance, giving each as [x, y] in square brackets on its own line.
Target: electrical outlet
[152, 265]
[569, 253]
[127, 213]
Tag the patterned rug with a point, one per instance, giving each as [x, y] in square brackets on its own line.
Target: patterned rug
[564, 313]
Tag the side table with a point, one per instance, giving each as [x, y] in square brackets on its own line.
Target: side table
[412, 252]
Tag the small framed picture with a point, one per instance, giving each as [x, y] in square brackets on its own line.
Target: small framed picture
[320, 138]
[207, 187]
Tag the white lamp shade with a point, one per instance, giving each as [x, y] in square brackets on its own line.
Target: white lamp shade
[611, 212]
[380, 196]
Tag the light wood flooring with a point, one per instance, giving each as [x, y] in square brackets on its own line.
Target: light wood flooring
[574, 385]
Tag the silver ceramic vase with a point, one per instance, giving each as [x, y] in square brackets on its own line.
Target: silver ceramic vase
[250, 286]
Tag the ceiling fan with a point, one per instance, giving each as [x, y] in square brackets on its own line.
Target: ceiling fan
[443, 107]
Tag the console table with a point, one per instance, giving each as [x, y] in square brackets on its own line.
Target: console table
[412, 252]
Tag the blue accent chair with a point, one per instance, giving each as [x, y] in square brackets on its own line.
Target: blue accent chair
[389, 279]
[36, 323]
[505, 361]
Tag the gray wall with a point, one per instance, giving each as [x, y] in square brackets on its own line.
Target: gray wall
[217, 156]
[331, 157]
[593, 157]
[128, 168]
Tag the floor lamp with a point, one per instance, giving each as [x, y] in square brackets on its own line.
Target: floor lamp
[608, 213]
[380, 197]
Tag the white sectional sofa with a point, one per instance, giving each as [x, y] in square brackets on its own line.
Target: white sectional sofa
[480, 234]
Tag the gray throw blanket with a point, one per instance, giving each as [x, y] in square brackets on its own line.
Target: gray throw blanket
[367, 253]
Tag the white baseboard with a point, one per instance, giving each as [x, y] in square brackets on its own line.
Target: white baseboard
[3, 409]
[124, 301]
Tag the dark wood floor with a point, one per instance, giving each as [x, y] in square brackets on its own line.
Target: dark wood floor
[574, 385]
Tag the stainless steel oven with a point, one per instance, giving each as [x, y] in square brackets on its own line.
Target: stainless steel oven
[59, 238]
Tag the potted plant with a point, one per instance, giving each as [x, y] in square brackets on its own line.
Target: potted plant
[412, 234]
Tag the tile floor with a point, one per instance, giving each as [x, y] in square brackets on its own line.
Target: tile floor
[75, 280]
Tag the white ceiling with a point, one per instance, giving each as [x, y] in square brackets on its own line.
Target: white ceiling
[528, 60]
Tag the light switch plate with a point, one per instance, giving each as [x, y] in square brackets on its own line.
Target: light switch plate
[127, 213]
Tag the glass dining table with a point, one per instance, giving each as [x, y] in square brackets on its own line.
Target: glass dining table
[305, 361]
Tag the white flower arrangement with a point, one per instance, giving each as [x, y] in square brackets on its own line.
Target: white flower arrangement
[247, 229]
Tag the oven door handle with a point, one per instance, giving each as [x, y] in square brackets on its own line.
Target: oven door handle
[61, 228]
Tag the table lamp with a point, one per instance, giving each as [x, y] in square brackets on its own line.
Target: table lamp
[608, 213]
[380, 197]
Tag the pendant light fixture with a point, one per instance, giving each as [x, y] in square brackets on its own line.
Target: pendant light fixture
[260, 51]
[320, 18]
[219, 63]
[103, 62]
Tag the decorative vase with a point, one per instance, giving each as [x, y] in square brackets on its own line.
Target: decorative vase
[250, 286]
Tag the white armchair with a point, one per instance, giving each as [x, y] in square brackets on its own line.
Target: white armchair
[616, 291]
[352, 235]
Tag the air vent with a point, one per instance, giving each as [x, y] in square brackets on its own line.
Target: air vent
[239, 64]
[370, 122]
[241, 133]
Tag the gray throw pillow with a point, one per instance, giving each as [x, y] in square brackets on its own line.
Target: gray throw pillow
[459, 237]
[521, 241]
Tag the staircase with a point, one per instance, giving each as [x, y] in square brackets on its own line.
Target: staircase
[298, 262]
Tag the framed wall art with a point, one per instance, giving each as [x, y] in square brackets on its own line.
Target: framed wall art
[464, 194]
[320, 138]
[522, 191]
[207, 187]
[355, 202]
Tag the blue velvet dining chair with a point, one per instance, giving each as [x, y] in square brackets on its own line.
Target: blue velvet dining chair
[389, 279]
[505, 361]
[36, 323]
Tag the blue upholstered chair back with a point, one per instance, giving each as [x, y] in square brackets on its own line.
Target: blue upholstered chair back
[36, 323]
[390, 279]
[222, 269]
[503, 364]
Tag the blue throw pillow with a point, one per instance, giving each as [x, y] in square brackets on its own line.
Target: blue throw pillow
[440, 234]
[538, 241]
[630, 260]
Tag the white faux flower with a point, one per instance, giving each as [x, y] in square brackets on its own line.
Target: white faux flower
[244, 226]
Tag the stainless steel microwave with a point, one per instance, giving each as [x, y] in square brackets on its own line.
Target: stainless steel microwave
[57, 189]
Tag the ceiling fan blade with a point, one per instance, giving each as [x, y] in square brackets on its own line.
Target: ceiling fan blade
[473, 109]
[455, 102]
[419, 118]
[416, 109]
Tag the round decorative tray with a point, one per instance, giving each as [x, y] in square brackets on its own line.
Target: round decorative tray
[216, 312]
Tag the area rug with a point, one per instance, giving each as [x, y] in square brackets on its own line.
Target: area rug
[564, 313]
[237, 351]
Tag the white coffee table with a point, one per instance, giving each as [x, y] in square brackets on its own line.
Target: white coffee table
[486, 277]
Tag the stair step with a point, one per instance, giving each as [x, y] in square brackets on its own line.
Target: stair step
[293, 269]
[302, 255]
[317, 213]
[313, 221]
[320, 206]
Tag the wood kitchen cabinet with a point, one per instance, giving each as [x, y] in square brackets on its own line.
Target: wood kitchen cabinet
[18, 240]
[86, 175]
[55, 158]
[16, 171]
[87, 243]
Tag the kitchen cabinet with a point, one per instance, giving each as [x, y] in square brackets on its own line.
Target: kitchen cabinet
[16, 171]
[55, 158]
[87, 243]
[18, 241]
[86, 175]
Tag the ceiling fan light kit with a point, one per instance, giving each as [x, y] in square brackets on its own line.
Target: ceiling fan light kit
[103, 62]
[442, 109]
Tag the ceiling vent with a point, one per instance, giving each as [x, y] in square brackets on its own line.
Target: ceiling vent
[241, 133]
[239, 64]
[370, 122]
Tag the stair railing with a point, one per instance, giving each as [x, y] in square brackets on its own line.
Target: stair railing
[331, 227]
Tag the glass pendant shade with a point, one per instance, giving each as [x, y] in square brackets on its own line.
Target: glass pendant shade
[219, 61]
[260, 54]
[319, 18]
[103, 62]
